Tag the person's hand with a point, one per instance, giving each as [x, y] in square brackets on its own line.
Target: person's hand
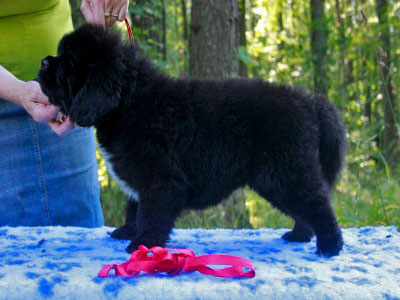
[62, 126]
[104, 12]
[32, 99]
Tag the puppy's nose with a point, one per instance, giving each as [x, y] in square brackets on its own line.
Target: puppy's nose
[45, 63]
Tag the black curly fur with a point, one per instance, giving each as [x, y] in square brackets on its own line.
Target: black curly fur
[189, 143]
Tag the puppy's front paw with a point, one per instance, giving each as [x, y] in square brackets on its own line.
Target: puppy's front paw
[329, 245]
[147, 240]
[125, 232]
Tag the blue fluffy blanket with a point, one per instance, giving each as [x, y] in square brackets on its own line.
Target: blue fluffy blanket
[63, 262]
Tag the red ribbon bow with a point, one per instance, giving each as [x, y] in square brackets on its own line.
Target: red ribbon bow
[157, 259]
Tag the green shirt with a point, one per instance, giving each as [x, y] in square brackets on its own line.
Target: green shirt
[29, 31]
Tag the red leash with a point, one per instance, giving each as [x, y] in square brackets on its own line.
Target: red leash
[157, 259]
[130, 32]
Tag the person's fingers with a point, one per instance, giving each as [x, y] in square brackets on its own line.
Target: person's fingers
[115, 15]
[67, 126]
[106, 20]
[51, 110]
[109, 8]
[61, 128]
[123, 11]
[97, 8]
[104, 12]
[34, 93]
[86, 11]
[56, 128]
[43, 113]
[41, 98]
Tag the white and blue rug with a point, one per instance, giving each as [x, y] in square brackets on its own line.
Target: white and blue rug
[63, 262]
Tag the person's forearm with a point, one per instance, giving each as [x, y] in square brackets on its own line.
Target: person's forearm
[30, 96]
[10, 87]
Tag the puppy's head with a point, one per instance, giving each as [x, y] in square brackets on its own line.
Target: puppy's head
[85, 78]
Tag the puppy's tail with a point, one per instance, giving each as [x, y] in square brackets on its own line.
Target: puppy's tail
[332, 143]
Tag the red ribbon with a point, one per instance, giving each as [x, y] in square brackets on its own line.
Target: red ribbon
[157, 259]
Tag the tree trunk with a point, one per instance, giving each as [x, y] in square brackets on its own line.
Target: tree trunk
[342, 53]
[213, 39]
[185, 22]
[185, 37]
[350, 61]
[390, 142]
[77, 17]
[242, 35]
[255, 70]
[319, 32]
[281, 44]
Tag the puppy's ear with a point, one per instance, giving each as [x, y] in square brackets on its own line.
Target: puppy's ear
[98, 96]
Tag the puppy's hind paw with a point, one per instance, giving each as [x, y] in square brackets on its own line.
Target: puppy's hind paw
[292, 236]
[124, 233]
[329, 246]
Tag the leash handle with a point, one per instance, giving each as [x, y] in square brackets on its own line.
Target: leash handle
[130, 32]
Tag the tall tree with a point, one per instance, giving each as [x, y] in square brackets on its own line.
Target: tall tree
[242, 35]
[341, 40]
[319, 32]
[350, 60]
[391, 141]
[213, 42]
[185, 37]
[185, 34]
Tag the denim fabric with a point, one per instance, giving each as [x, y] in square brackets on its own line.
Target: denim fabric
[46, 179]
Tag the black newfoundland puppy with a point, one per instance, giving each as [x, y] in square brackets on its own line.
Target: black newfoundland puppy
[177, 143]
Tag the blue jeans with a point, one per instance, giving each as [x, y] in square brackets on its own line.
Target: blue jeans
[46, 180]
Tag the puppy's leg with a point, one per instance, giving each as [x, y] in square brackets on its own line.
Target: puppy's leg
[128, 231]
[301, 233]
[309, 201]
[304, 196]
[157, 211]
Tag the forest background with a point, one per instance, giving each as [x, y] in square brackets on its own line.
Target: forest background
[348, 50]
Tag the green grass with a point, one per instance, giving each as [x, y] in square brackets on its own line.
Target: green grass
[232, 213]
[229, 214]
[368, 199]
[113, 202]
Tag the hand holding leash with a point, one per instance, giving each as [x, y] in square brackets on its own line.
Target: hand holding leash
[104, 12]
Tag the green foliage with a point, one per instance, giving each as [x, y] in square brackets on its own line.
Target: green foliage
[367, 197]
[262, 214]
[113, 202]
[112, 199]
[232, 213]
[278, 49]
[147, 18]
